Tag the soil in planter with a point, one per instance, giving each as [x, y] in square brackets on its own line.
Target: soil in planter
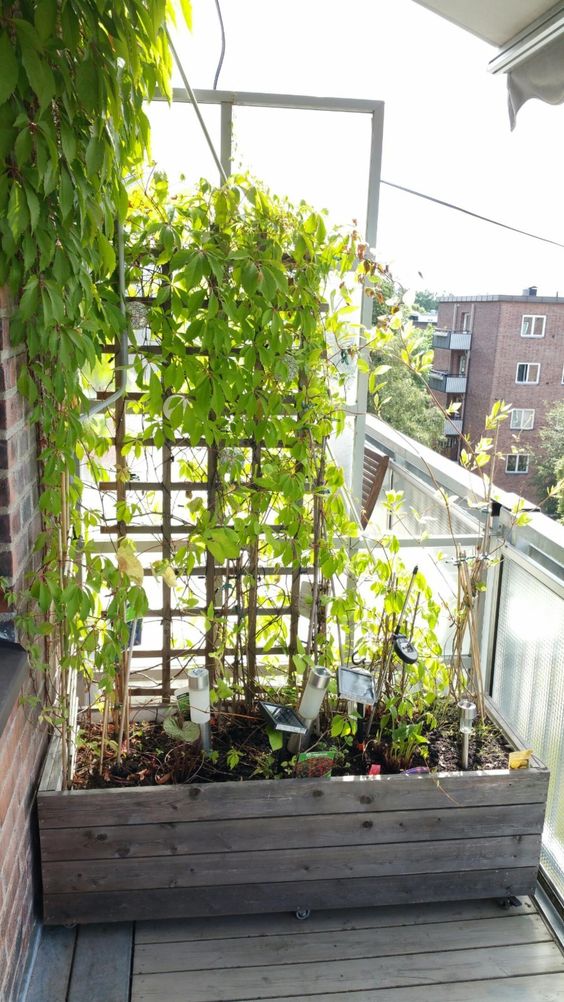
[241, 751]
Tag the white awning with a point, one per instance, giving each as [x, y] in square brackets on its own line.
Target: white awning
[530, 36]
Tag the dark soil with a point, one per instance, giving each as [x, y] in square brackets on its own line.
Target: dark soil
[241, 751]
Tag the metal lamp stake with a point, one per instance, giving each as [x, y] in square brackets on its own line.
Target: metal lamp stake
[467, 716]
[310, 703]
[391, 651]
[199, 686]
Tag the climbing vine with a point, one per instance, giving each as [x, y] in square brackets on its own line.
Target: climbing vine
[73, 79]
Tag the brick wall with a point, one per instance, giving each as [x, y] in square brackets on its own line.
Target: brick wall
[22, 748]
[497, 348]
[22, 741]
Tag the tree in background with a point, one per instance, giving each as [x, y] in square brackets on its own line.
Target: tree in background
[549, 474]
[401, 398]
[428, 301]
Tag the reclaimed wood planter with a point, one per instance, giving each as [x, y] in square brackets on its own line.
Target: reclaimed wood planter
[283, 845]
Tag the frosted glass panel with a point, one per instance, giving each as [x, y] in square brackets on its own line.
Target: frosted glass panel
[529, 690]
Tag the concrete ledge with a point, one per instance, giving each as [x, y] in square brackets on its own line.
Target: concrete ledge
[13, 669]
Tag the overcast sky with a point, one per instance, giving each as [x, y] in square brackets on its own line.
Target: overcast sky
[446, 133]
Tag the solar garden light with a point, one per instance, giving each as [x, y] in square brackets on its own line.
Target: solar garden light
[199, 688]
[467, 716]
[310, 703]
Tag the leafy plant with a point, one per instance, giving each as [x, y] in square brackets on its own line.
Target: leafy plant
[185, 730]
[73, 80]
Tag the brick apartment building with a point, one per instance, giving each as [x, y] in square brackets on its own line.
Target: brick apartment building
[510, 348]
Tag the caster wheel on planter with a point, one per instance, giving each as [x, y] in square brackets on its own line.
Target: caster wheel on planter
[302, 914]
[510, 902]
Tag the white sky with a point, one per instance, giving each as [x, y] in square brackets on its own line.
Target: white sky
[446, 133]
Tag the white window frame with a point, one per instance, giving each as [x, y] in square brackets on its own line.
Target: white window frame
[516, 457]
[527, 381]
[562, 380]
[519, 422]
[532, 317]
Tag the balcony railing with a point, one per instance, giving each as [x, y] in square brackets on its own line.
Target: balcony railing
[452, 426]
[522, 615]
[446, 382]
[452, 340]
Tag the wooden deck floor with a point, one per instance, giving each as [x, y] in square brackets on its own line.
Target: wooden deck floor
[467, 952]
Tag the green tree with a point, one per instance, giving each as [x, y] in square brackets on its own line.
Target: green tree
[427, 300]
[406, 404]
[402, 398]
[549, 472]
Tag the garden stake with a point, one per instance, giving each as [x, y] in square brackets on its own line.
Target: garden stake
[467, 715]
[391, 651]
[310, 703]
[199, 685]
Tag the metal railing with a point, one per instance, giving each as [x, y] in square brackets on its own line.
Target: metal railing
[446, 382]
[522, 617]
[452, 340]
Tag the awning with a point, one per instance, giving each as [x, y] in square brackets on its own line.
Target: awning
[530, 37]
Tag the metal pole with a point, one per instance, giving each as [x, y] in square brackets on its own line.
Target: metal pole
[194, 103]
[226, 136]
[359, 433]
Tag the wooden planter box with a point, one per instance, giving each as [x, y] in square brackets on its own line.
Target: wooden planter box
[266, 846]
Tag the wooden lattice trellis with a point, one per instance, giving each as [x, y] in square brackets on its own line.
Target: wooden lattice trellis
[238, 589]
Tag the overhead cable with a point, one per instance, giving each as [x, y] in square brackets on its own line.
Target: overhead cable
[468, 212]
[222, 54]
[196, 107]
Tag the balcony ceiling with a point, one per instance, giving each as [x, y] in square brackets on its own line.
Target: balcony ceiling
[495, 21]
[530, 38]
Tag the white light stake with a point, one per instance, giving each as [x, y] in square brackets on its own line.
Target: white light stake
[467, 716]
[199, 686]
[310, 703]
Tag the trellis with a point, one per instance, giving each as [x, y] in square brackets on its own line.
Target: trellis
[245, 583]
[216, 577]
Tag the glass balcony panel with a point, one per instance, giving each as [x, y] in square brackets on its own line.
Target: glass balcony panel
[528, 687]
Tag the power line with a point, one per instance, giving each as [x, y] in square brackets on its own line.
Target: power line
[475, 215]
[222, 54]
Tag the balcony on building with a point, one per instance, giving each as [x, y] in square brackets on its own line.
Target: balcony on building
[452, 427]
[446, 382]
[452, 340]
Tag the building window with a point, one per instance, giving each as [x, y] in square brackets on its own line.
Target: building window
[527, 372]
[517, 462]
[532, 326]
[465, 321]
[522, 419]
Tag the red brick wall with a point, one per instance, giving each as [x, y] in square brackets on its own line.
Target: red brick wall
[22, 748]
[497, 348]
[22, 741]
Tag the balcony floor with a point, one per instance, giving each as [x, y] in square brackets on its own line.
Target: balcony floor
[468, 952]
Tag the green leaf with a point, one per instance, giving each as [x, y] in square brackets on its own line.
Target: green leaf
[45, 18]
[39, 74]
[18, 215]
[33, 206]
[23, 146]
[95, 156]
[30, 298]
[66, 193]
[68, 142]
[250, 278]
[275, 738]
[9, 69]
[107, 253]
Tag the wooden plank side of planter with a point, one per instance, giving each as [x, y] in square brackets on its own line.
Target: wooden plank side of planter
[176, 839]
[290, 798]
[218, 870]
[264, 898]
